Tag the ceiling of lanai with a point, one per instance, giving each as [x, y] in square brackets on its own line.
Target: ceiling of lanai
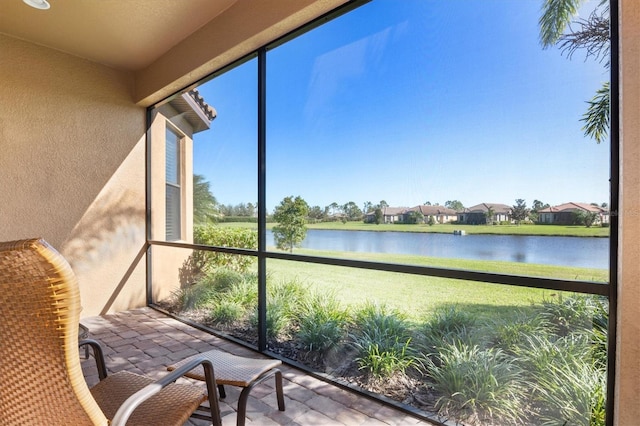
[122, 34]
[165, 44]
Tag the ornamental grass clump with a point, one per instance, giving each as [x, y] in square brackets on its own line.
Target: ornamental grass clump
[482, 386]
[382, 341]
[201, 294]
[567, 377]
[283, 308]
[510, 334]
[575, 312]
[227, 312]
[322, 322]
[226, 295]
[571, 392]
[447, 325]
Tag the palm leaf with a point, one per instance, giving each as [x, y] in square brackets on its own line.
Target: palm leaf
[596, 118]
[556, 16]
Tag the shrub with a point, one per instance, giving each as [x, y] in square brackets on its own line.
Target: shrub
[386, 361]
[477, 385]
[202, 261]
[221, 280]
[448, 324]
[381, 339]
[226, 294]
[291, 294]
[227, 312]
[278, 320]
[198, 295]
[571, 392]
[283, 307]
[575, 313]
[511, 334]
[323, 322]
[244, 292]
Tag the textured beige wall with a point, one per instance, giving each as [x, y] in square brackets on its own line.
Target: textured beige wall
[167, 262]
[628, 351]
[72, 168]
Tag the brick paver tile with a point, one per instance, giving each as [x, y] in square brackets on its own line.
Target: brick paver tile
[316, 419]
[325, 405]
[373, 422]
[145, 341]
[350, 417]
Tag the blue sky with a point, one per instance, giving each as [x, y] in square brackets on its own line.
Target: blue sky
[410, 101]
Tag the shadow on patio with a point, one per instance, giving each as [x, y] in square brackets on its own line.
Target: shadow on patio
[145, 341]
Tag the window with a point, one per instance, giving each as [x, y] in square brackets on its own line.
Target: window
[173, 187]
[390, 109]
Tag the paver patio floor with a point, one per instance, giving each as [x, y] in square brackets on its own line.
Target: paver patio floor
[145, 341]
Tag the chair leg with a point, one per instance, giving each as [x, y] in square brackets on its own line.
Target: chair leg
[242, 406]
[244, 395]
[222, 392]
[279, 391]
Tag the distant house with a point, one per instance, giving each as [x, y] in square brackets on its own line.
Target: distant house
[394, 214]
[477, 215]
[564, 214]
[389, 215]
[440, 214]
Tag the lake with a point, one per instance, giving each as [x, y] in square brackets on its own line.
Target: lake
[563, 251]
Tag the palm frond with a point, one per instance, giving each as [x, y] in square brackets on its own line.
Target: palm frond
[596, 118]
[556, 16]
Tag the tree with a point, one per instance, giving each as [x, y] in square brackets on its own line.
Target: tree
[590, 218]
[382, 204]
[519, 212]
[352, 211]
[581, 217]
[316, 213]
[378, 216]
[536, 206]
[489, 215]
[291, 216]
[591, 36]
[333, 207]
[455, 205]
[251, 210]
[415, 216]
[205, 205]
[367, 207]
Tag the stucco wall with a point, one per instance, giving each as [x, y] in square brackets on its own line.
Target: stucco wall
[167, 262]
[72, 168]
[628, 351]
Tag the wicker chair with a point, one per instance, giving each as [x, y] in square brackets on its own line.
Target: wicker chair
[41, 380]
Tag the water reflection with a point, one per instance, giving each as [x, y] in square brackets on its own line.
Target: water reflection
[562, 251]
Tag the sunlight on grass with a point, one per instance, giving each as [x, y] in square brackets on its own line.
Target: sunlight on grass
[418, 295]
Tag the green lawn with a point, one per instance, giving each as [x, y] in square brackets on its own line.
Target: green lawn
[545, 230]
[550, 230]
[418, 296]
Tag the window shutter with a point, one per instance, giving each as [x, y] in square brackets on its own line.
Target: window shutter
[173, 192]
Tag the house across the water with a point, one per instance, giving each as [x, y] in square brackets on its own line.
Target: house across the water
[565, 214]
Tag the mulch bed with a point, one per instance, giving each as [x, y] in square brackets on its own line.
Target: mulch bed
[403, 388]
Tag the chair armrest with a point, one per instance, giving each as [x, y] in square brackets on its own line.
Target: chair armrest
[127, 407]
[97, 354]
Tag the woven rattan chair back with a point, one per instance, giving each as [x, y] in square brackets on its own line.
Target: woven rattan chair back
[41, 381]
